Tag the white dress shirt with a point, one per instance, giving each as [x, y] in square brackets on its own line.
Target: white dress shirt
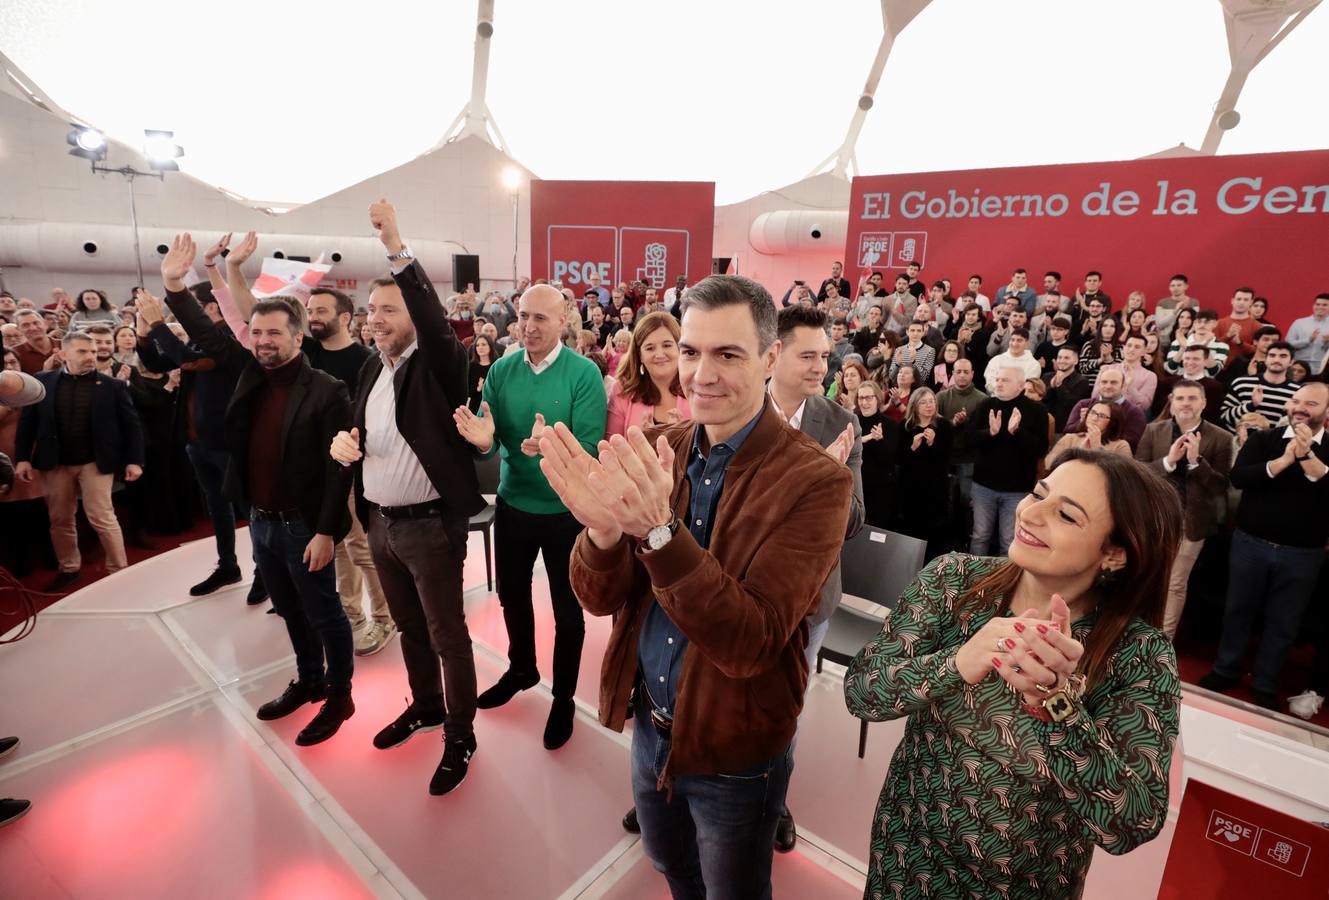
[1290, 433]
[391, 471]
[545, 363]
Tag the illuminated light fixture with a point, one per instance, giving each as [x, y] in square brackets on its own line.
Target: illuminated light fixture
[161, 150]
[511, 178]
[87, 143]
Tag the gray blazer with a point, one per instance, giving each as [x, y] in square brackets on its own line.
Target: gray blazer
[824, 421]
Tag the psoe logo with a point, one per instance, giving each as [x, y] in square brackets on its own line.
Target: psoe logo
[1231, 832]
[874, 249]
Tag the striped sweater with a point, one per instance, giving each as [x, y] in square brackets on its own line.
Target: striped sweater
[1272, 405]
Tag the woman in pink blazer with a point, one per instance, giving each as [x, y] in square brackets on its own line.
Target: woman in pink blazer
[646, 390]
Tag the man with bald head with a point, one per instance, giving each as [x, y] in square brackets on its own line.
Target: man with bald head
[524, 393]
[1009, 433]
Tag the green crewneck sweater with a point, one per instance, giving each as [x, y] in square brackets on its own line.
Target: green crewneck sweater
[570, 391]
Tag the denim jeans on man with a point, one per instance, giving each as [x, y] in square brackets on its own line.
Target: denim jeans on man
[712, 836]
[1279, 578]
[307, 601]
[994, 511]
[210, 468]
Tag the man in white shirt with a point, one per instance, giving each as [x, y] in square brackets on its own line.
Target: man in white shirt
[1309, 336]
[976, 288]
[1017, 356]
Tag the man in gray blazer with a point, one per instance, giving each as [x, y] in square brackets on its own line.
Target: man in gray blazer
[795, 388]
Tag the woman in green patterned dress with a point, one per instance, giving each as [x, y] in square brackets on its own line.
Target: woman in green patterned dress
[1031, 738]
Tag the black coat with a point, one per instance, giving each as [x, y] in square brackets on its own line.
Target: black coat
[429, 386]
[206, 390]
[117, 434]
[318, 408]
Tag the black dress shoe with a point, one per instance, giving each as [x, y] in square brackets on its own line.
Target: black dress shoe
[7, 746]
[296, 695]
[785, 834]
[452, 768]
[61, 583]
[257, 592]
[1216, 682]
[336, 709]
[403, 728]
[219, 579]
[507, 687]
[630, 823]
[1267, 700]
[559, 727]
[13, 809]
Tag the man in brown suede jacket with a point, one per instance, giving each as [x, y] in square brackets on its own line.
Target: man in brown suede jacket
[709, 547]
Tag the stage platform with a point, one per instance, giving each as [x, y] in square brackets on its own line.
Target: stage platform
[151, 778]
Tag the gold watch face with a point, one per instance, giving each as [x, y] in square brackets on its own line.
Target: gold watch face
[1058, 705]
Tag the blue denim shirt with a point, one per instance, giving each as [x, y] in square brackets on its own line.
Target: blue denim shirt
[660, 648]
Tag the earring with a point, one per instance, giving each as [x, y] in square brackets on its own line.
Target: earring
[1105, 577]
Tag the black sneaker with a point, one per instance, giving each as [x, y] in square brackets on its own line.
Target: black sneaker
[219, 579]
[13, 809]
[7, 746]
[257, 592]
[1216, 682]
[452, 768]
[296, 695]
[507, 687]
[60, 584]
[402, 728]
[336, 709]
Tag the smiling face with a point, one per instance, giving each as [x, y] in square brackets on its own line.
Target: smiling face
[274, 343]
[1309, 406]
[721, 367]
[867, 401]
[1062, 527]
[324, 321]
[389, 322]
[542, 315]
[658, 352]
[801, 366]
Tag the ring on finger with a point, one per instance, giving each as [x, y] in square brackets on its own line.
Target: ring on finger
[1001, 645]
[1015, 667]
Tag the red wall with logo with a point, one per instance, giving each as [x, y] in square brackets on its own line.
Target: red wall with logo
[1225, 221]
[653, 230]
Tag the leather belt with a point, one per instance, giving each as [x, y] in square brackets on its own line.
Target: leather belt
[284, 516]
[413, 511]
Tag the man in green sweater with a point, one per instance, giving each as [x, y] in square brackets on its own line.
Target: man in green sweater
[523, 393]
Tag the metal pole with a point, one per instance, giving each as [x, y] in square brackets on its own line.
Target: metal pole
[514, 239]
[133, 218]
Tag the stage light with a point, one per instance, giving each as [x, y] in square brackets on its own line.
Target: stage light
[161, 149]
[88, 143]
[512, 178]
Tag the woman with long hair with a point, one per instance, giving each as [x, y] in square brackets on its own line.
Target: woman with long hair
[1030, 738]
[1137, 325]
[91, 306]
[1103, 349]
[902, 387]
[943, 373]
[482, 355]
[1181, 328]
[972, 334]
[1102, 431]
[925, 455]
[125, 342]
[1134, 300]
[881, 448]
[646, 390]
[847, 382]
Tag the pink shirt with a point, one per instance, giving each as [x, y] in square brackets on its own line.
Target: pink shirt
[624, 413]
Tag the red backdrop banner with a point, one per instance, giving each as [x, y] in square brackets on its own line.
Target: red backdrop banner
[1225, 846]
[1225, 221]
[625, 230]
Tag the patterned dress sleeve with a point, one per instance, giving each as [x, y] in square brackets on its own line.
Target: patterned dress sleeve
[909, 666]
[1109, 760]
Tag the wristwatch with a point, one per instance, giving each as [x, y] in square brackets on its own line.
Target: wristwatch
[403, 253]
[660, 535]
[1059, 702]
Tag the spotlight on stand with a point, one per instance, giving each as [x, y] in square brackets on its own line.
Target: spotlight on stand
[161, 150]
[88, 143]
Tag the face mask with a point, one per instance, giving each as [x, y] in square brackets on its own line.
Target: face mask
[465, 314]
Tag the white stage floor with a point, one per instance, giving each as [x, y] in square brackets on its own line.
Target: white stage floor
[151, 778]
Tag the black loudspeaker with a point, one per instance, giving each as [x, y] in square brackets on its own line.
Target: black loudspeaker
[720, 264]
[465, 270]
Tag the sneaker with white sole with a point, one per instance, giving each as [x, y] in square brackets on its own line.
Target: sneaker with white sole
[1305, 705]
[374, 638]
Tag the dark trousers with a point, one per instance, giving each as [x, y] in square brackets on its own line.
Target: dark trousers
[307, 601]
[1278, 578]
[210, 467]
[419, 563]
[714, 837]
[518, 537]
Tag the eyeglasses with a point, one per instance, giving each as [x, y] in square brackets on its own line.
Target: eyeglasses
[1095, 414]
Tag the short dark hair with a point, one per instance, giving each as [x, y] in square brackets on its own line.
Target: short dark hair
[344, 303]
[381, 281]
[979, 277]
[1182, 384]
[1207, 314]
[1323, 296]
[914, 262]
[1198, 348]
[1245, 290]
[969, 295]
[1054, 273]
[1180, 278]
[718, 291]
[1092, 272]
[277, 304]
[1265, 331]
[902, 275]
[1282, 345]
[97, 328]
[1135, 337]
[1019, 272]
[939, 284]
[1061, 322]
[1020, 332]
[798, 316]
[203, 293]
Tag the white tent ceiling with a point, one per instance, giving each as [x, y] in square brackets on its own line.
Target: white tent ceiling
[287, 102]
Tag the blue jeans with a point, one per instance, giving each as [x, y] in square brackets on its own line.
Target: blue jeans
[210, 468]
[307, 601]
[1279, 578]
[993, 511]
[713, 838]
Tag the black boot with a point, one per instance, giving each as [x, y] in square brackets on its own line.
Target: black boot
[336, 709]
[506, 688]
[296, 695]
[257, 592]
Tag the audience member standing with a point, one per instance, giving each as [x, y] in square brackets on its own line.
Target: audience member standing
[1278, 546]
[1267, 394]
[1194, 363]
[1102, 431]
[1111, 387]
[1066, 387]
[1010, 436]
[925, 457]
[646, 390]
[23, 518]
[81, 437]
[957, 405]
[1309, 336]
[37, 346]
[881, 445]
[1016, 355]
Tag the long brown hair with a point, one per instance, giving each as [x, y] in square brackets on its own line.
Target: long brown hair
[1146, 523]
[633, 379]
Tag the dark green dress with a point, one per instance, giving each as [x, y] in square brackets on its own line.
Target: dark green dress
[982, 799]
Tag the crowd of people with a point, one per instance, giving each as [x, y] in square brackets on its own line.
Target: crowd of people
[690, 461]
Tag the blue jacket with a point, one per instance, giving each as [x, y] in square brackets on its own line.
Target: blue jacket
[117, 434]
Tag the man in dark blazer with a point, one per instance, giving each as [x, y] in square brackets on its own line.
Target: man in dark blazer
[81, 437]
[279, 423]
[415, 490]
[1196, 456]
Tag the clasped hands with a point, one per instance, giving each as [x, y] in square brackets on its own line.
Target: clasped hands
[1026, 651]
[627, 490]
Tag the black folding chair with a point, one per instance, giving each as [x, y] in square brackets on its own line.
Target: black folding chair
[486, 471]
